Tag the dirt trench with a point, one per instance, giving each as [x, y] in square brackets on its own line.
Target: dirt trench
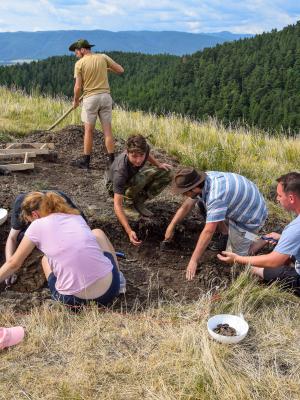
[152, 274]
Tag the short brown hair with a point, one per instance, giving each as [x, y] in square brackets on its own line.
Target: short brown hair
[290, 182]
[137, 144]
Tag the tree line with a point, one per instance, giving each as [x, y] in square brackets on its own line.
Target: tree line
[252, 81]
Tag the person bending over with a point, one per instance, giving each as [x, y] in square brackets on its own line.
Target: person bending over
[130, 178]
[79, 264]
[233, 204]
[283, 263]
[19, 226]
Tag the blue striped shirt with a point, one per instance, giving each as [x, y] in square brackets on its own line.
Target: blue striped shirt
[233, 197]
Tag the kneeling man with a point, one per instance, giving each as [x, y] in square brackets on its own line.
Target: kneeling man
[283, 263]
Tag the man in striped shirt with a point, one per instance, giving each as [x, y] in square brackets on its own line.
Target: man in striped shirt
[233, 204]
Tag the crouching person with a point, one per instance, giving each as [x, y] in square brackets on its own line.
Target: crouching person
[283, 263]
[19, 225]
[129, 178]
[80, 265]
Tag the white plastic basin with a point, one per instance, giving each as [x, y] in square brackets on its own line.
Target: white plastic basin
[3, 215]
[238, 323]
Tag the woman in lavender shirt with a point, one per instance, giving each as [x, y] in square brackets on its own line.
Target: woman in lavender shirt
[79, 263]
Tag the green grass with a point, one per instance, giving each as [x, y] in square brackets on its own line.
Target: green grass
[163, 352]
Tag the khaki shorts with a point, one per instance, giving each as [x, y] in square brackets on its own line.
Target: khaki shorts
[237, 243]
[97, 105]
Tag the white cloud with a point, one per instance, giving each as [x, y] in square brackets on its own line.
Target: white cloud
[253, 16]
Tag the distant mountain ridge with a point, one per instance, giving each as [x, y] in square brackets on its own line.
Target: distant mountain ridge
[43, 44]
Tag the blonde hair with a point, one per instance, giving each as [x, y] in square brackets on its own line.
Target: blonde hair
[45, 203]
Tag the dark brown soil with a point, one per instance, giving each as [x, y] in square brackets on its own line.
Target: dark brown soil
[225, 330]
[152, 274]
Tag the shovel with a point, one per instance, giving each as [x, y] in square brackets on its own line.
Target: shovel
[63, 116]
[253, 237]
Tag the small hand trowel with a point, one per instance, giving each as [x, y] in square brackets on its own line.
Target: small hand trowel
[253, 237]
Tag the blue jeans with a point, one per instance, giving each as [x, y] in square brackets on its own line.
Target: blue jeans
[103, 300]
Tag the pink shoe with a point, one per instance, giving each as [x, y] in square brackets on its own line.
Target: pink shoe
[11, 336]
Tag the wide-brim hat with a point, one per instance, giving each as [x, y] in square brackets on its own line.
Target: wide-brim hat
[11, 336]
[79, 44]
[187, 179]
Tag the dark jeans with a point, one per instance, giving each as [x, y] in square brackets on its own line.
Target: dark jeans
[103, 300]
[286, 275]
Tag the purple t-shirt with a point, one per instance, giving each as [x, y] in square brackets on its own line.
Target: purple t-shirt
[71, 249]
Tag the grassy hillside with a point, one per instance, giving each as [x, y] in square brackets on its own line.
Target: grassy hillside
[162, 352]
[208, 146]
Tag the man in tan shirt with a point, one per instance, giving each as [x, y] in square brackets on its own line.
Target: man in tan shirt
[91, 80]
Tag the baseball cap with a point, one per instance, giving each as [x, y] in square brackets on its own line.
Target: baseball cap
[11, 336]
[79, 44]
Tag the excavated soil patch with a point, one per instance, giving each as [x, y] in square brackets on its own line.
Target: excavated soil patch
[152, 274]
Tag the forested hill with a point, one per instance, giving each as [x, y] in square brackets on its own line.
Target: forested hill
[255, 81]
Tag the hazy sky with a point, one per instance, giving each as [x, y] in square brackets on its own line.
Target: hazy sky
[239, 16]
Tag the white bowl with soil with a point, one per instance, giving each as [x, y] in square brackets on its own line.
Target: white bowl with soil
[3, 215]
[227, 328]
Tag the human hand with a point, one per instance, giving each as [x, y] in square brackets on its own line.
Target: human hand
[227, 257]
[134, 239]
[75, 103]
[273, 235]
[191, 270]
[165, 166]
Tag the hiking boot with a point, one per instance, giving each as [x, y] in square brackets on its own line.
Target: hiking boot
[82, 162]
[139, 205]
[219, 244]
[110, 158]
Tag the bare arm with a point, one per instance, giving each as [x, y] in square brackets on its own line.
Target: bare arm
[15, 262]
[181, 213]
[11, 243]
[152, 160]
[77, 91]
[203, 241]
[271, 260]
[118, 207]
[116, 68]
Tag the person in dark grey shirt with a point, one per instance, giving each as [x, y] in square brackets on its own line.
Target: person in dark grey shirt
[129, 177]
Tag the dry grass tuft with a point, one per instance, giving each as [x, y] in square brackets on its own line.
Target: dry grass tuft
[161, 353]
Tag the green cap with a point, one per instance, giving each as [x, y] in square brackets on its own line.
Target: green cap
[79, 44]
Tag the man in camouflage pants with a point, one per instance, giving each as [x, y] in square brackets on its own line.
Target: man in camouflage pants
[129, 178]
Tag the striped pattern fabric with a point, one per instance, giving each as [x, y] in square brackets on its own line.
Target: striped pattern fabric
[233, 197]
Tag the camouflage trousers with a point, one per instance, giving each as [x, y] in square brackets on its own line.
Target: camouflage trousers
[147, 183]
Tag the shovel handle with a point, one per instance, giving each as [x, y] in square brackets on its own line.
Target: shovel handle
[63, 116]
